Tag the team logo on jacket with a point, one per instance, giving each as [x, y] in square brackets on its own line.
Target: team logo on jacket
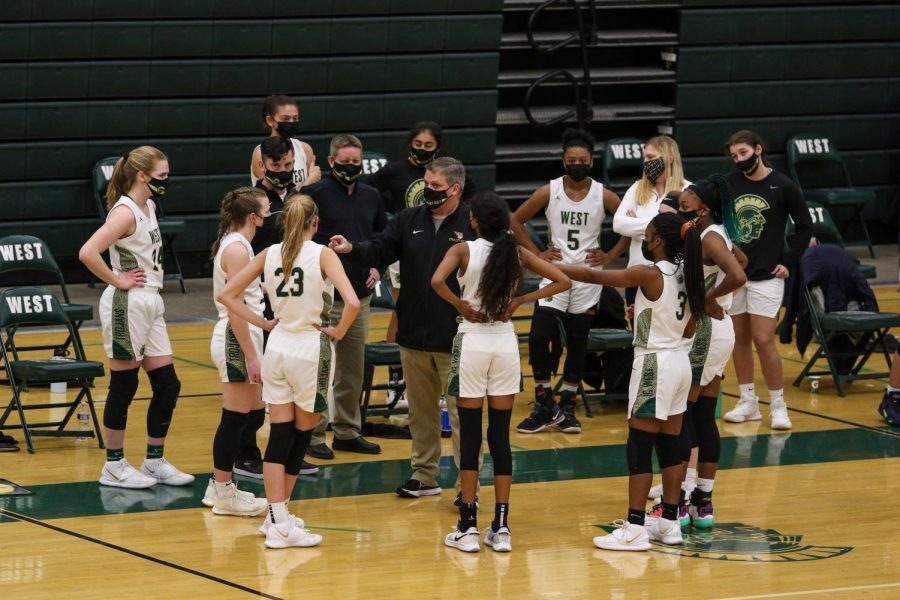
[750, 220]
[738, 542]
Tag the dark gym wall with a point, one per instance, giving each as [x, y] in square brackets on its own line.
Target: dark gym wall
[88, 79]
[783, 67]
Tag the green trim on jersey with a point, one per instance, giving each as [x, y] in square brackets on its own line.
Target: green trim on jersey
[710, 282]
[645, 403]
[327, 304]
[455, 356]
[642, 327]
[235, 363]
[323, 374]
[127, 260]
[700, 348]
[121, 331]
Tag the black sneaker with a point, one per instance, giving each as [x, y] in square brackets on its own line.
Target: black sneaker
[458, 502]
[308, 468]
[249, 468]
[546, 413]
[570, 423]
[415, 488]
[889, 409]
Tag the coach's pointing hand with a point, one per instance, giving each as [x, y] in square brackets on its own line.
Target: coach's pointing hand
[340, 244]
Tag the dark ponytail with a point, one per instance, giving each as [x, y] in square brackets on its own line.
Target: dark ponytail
[681, 242]
[716, 194]
[503, 271]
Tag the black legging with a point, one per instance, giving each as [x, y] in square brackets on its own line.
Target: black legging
[545, 330]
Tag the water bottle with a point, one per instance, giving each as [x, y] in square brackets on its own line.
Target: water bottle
[83, 417]
[445, 418]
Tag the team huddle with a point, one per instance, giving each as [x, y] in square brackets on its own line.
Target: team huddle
[706, 269]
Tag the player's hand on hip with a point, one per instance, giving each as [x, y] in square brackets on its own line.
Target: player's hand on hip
[129, 279]
[781, 272]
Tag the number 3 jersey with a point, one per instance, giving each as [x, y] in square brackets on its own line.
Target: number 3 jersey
[659, 324]
[143, 248]
[301, 298]
[575, 226]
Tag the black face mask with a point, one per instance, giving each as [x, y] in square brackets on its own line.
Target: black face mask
[280, 179]
[287, 129]
[158, 187]
[646, 252]
[653, 168]
[749, 165]
[688, 215]
[434, 198]
[578, 172]
[421, 156]
[346, 173]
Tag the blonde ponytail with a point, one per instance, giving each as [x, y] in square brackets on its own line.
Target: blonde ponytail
[143, 159]
[299, 211]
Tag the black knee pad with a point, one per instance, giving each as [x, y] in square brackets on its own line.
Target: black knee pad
[298, 451]
[707, 432]
[248, 448]
[498, 440]
[281, 440]
[639, 451]
[166, 388]
[123, 386]
[227, 439]
[469, 437]
[577, 329]
[668, 450]
[544, 332]
[688, 439]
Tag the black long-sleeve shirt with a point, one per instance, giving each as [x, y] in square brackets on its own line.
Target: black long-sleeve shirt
[394, 180]
[356, 215]
[762, 209]
[272, 231]
[425, 320]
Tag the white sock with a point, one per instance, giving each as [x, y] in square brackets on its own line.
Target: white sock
[569, 387]
[748, 391]
[222, 486]
[691, 476]
[891, 389]
[777, 396]
[705, 485]
[278, 512]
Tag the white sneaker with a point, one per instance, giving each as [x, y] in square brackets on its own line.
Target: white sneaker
[745, 410]
[165, 472]
[119, 473]
[498, 541]
[778, 416]
[234, 502]
[628, 537]
[209, 498]
[288, 535]
[467, 540]
[655, 492]
[267, 523]
[665, 531]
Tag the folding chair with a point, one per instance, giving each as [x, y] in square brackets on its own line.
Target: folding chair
[817, 167]
[169, 228]
[29, 307]
[826, 325]
[380, 354]
[824, 228]
[28, 253]
[623, 156]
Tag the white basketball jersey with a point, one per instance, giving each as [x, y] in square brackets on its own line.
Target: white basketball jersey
[575, 226]
[301, 298]
[712, 274]
[143, 248]
[659, 325]
[253, 296]
[301, 169]
[479, 251]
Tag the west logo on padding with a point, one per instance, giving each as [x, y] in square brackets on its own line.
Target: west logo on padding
[38, 303]
[372, 165]
[26, 251]
[813, 146]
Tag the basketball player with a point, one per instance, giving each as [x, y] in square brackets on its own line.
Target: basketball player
[300, 277]
[281, 117]
[131, 317]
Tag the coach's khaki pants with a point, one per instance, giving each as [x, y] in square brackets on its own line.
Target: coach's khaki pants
[348, 376]
[426, 375]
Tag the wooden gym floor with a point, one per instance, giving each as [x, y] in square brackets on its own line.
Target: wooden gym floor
[805, 513]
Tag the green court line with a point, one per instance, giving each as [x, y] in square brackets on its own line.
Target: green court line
[519, 448]
[84, 499]
[194, 362]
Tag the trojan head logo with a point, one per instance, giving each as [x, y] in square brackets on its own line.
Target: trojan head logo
[738, 542]
[749, 209]
[415, 193]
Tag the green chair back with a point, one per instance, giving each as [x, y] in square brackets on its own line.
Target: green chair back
[381, 296]
[622, 155]
[372, 162]
[103, 170]
[814, 162]
[28, 253]
[823, 224]
[30, 306]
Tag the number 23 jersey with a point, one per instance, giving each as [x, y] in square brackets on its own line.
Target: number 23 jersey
[301, 298]
[575, 226]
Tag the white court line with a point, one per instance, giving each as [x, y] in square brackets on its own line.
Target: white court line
[822, 591]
